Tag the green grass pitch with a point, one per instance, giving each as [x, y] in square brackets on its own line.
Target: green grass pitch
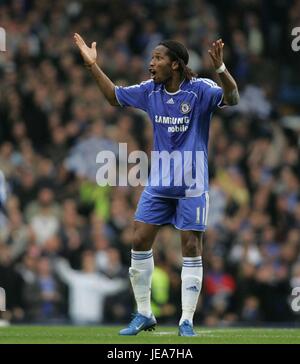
[162, 335]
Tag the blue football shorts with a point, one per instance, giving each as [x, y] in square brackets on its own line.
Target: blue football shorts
[186, 213]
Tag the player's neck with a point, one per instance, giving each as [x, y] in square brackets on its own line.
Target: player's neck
[173, 84]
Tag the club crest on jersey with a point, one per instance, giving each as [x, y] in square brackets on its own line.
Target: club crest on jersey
[185, 107]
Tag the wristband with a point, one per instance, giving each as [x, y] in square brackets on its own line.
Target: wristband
[221, 69]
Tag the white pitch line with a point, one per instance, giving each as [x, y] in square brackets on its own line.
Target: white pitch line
[161, 333]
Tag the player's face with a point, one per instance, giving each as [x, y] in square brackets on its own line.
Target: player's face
[161, 67]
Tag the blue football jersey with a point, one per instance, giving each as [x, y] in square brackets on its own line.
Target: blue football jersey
[179, 161]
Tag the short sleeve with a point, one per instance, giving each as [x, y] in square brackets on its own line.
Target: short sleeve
[135, 96]
[212, 93]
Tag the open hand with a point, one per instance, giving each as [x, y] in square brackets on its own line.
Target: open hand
[88, 54]
[216, 53]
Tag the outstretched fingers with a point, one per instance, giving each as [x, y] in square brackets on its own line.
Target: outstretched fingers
[216, 48]
[220, 46]
[212, 52]
[216, 53]
[78, 40]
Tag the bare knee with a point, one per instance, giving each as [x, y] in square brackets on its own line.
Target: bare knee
[140, 241]
[143, 237]
[192, 244]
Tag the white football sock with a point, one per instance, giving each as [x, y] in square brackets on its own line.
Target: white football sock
[140, 273]
[191, 283]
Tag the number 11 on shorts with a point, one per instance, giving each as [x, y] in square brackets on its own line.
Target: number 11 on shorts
[198, 215]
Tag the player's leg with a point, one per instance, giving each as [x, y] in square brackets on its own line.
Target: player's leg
[140, 273]
[151, 213]
[191, 219]
[191, 275]
[142, 265]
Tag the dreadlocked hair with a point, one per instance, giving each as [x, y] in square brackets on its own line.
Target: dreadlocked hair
[177, 52]
[185, 70]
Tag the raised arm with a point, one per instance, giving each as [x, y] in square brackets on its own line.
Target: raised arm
[230, 89]
[64, 271]
[89, 56]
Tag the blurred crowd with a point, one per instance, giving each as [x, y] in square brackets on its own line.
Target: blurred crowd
[65, 241]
